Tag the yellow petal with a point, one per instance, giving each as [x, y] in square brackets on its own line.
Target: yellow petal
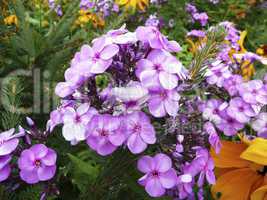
[236, 184]
[260, 193]
[256, 152]
[241, 41]
[229, 156]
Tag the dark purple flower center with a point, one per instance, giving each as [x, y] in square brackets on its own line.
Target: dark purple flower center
[254, 91]
[155, 173]
[216, 111]
[163, 95]
[230, 120]
[137, 128]
[37, 163]
[241, 109]
[78, 119]
[103, 132]
[131, 104]
[218, 73]
[158, 67]
[97, 55]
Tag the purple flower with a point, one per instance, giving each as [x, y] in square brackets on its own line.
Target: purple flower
[140, 132]
[5, 169]
[104, 135]
[37, 163]
[185, 181]
[217, 73]
[159, 174]
[162, 102]
[196, 33]
[98, 58]
[231, 84]
[212, 110]
[230, 126]
[190, 8]
[214, 139]
[160, 68]
[8, 142]
[153, 20]
[232, 34]
[156, 40]
[87, 4]
[76, 121]
[201, 17]
[240, 110]
[205, 165]
[253, 92]
[260, 125]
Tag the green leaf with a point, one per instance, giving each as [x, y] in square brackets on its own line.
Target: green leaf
[84, 167]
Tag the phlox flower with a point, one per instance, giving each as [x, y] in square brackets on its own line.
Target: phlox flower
[231, 84]
[98, 58]
[240, 110]
[151, 35]
[253, 92]
[203, 164]
[76, 121]
[229, 125]
[159, 69]
[140, 132]
[159, 174]
[162, 102]
[211, 110]
[37, 163]
[104, 134]
[201, 17]
[217, 73]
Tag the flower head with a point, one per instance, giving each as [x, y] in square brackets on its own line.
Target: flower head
[37, 163]
[104, 134]
[159, 174]
[76, 121]
[140, 132]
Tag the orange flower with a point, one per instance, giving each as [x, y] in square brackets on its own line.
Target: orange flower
[132, 4]
[241, 169]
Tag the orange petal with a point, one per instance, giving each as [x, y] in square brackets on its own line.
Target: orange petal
[229, 155]
[260, 193]
[235, 185]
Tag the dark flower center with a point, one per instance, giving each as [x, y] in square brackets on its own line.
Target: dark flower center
[37, 163]
[97, 55]
[254, 91]
[155, 173]
[103, 132]
[158, 67]
[137, 128]
[241, 109]
[78, 119]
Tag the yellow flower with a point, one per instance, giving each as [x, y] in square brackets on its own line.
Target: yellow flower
[241, 170]
[262, 50]
[11, 19]
[132, 4]
[87, 16]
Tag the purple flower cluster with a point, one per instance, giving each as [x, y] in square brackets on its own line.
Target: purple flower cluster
[106, 7]
[202, 17]
[144, 76]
